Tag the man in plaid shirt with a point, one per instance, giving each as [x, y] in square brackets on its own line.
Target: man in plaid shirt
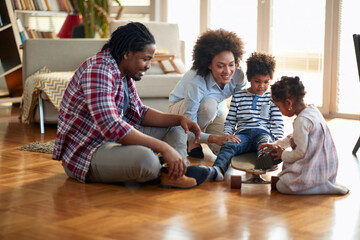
[105, 133]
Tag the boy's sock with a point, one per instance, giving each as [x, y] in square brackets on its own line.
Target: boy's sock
[215, 173]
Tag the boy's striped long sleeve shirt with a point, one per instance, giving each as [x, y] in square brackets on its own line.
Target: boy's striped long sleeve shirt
[248, 110]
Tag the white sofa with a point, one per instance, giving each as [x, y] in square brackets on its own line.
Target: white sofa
[61, 55]
[156, 86]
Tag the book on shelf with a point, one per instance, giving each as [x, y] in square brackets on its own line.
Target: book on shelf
[25, 5]
[41, 4]
[34, 34]
[47, 5]
[54, 5]
[44, 5]
[22, 32]
[19, 4]
[15, 4]
[65, 6]
[32, 5]
[22, 4]
[47, 34]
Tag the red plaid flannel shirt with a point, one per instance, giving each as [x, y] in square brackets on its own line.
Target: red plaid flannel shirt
[91, 112]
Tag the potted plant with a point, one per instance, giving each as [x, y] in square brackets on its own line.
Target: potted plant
[95, 15]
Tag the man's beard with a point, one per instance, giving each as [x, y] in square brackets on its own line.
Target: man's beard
[136, 78]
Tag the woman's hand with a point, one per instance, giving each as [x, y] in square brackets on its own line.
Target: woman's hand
[220, 140]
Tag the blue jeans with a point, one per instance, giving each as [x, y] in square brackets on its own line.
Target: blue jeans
[250, 141]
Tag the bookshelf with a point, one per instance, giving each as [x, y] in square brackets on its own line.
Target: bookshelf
[10, 55]
[11, 39]
[33, 32]
[41, 9]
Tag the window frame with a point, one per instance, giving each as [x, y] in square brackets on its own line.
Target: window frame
[331, 45]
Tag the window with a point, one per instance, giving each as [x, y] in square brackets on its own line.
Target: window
[186, 14]
[239, 16]
[47, 23]
[298, 32]
[348, 76]
[135, 10]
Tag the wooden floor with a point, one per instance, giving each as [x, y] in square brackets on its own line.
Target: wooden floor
[38, 201]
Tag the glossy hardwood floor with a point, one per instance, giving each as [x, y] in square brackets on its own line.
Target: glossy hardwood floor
[38, 201]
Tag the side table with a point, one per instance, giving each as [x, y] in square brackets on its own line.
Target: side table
[166, 57]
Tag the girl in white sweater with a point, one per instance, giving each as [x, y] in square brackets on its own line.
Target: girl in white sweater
[310, 167]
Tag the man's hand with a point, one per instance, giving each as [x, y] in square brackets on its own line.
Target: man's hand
[220, 140]
[191, 126]
[176, 164]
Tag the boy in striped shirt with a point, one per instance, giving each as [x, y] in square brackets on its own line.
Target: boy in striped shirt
[253, 117]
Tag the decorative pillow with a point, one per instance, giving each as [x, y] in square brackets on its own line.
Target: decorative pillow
[44, 69]
[53, 84]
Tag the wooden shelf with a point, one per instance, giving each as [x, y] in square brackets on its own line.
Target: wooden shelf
[3, 28]
[42, 13]
[10, 54]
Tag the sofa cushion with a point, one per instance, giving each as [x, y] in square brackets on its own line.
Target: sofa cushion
[166, 35]
[151, 86]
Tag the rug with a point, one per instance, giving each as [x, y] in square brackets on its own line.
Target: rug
[41, 147]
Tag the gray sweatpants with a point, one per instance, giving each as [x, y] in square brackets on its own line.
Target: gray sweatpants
[208, 120]
[113, 162]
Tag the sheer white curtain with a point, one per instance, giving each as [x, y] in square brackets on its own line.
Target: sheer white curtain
[239, 16]
[298, 33]
[186, 13]
[348, 79]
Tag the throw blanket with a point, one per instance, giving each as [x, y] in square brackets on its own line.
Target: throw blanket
[53, 84]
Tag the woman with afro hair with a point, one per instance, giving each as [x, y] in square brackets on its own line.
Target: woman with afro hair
[201, 94]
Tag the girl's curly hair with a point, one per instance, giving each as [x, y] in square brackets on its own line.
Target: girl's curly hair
[210, 44]
[288, 87]
[260, 63]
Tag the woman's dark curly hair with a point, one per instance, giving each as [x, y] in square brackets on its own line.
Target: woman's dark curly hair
[210, 44]
[260, 63]
[288, 88]
[133, 36]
